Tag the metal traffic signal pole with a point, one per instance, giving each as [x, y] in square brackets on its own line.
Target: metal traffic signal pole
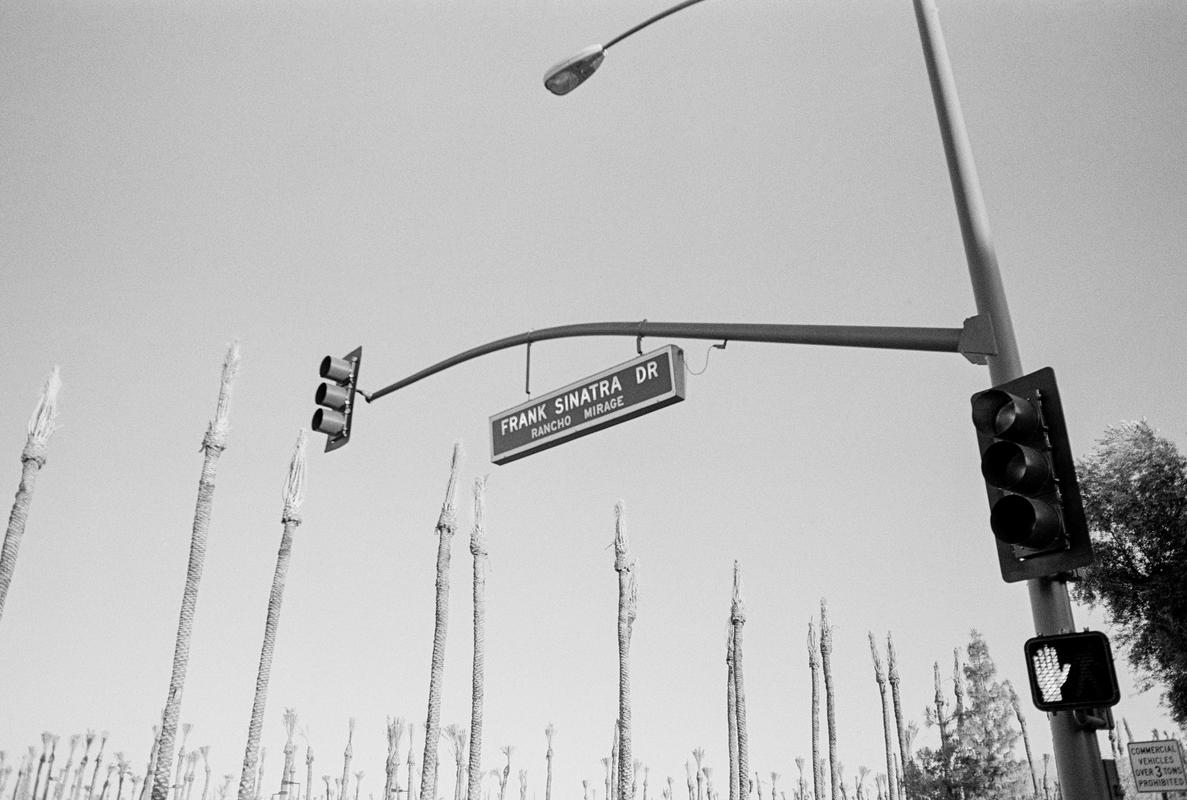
[1077, 754]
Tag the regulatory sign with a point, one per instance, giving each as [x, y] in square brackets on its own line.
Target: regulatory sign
[1158, 766]
[635, 387]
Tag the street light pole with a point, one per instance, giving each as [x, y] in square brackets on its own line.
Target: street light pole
[1077, 754]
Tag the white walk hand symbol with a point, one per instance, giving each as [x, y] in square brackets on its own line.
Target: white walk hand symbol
[1050, 674]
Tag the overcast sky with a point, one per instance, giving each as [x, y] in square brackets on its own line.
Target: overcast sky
[311, 177]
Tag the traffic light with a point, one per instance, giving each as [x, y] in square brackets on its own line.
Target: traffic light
[1071, 670]
[1030, 477]
[336, 397]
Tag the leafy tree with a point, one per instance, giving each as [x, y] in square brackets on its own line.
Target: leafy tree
[1134, 485]
[978, 760]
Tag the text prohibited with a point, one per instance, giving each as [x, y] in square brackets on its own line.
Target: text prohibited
[1158, 766]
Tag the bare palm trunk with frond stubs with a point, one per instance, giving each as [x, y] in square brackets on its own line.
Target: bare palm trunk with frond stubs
[478, 663]
[64, 779]
[347, 755]
[941, 721]
[181, 751]
[395, 732]
[698, 755]
[151, 767]
[1030, 762]
[814, 671]
[731, 714]
[446, 527]
[900, 720]
[826, 649]
[213, 445]
[290, 727]
[888, 737]
[737, 621]
[98, 761]
[294, 496]
[205, 751]
[624, 565]
[958, 690]
[41, 427]
[79, 777]
[549, 732]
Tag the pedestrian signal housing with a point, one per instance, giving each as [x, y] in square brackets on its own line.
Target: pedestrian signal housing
[1071, 670]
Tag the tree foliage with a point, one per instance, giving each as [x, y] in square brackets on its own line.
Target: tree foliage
[1134, 485]
[978, 759]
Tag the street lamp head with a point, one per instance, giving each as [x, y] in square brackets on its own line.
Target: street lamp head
[566, 76]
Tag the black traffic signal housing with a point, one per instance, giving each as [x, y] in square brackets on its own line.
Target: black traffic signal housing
[1030, 477]
[337, 397]
[1071, 670]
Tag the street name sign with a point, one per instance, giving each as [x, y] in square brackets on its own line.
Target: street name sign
[1158, 766]
[643, 384]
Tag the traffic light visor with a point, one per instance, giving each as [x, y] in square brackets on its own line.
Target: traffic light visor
[1015, 467]
[1003, 415]
[331, 395]
[1019, 520]
[328, 421]
[335, 369]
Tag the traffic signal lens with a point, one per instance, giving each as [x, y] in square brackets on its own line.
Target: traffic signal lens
[332, 396]
[1019, 520]
[1015, 467]
[328, 421]
[335, 369]
[1002, 415]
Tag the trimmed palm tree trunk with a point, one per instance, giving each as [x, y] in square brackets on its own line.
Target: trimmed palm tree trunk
[893, 678]
[826, 649]
[888, 738]
[41, 427]
[76, 789]
[609, 776]
[347, 756]
[731, 714]
[446, 527]
[60, 789]
[290, 717]
[1030, 762]
[614, 761]
[213, 444]
[45, 739]
[294, 496]
[506, 775]
[150, 768]
[624, 565]
[958, 690]
[478, 664]
[185, 735]
[411, 760]
[395, 732]
[49, 767]
[205, 751]
[814, 671]
[698, 755]
[737, 620]
[941, 721]
[98, 760]
[259, 781]
[308, 775]
[549, 732]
